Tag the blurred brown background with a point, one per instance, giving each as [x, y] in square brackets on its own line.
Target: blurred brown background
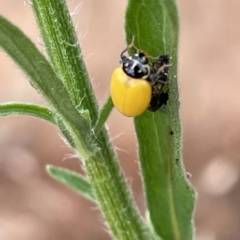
[35, 207]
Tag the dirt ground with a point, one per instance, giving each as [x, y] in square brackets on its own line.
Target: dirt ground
[35, 207]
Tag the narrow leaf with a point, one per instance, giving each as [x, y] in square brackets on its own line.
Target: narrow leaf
[72, 179]
[103, 115]
[17, 108]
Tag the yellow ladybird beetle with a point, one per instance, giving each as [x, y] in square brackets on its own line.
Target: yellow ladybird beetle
[131, 96]
[131, 92]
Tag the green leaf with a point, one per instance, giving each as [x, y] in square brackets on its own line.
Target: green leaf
[72, 179]
[170, 198]
[17, 108]
[148, 22]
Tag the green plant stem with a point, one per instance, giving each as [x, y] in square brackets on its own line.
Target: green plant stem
[63, 49]
[107, 191]
[104, 174]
